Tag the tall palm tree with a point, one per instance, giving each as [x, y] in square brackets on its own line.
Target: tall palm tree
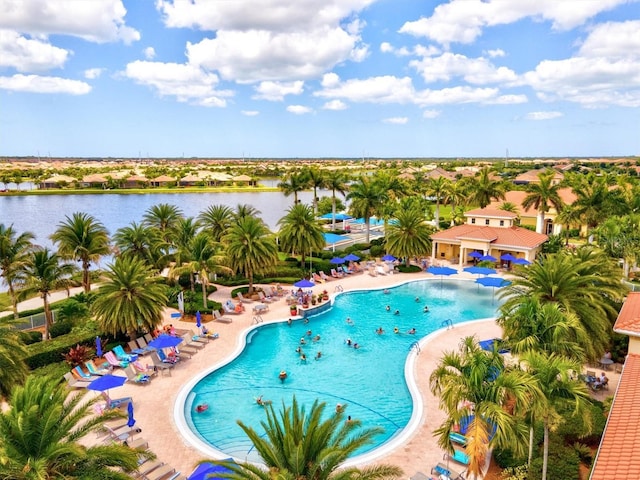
[45, 273]
[139, 240]
[474, 383]
[294, 183]
[14, 251]
[315, 180]
[13, 370]
[130, 299]
[410, 235]
[553, 377]
[336, 181]
[42, 435]
[216, 219]
[245, 210]
[83, 239]
[367, 196]
[300, 232]
[437, 188]
[456, 195]
[484, 189]
[313, 446]
[182, 237]
[593, 202]
[542, 195]
[251, 247]
[568, 217]
[163, 217]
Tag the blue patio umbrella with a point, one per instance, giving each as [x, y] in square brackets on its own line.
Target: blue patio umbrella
[198, 319]
[209, 470]
[130, 420]
[475, 254]
[339, 216]
[507, 257]
[493, 282]
[479, 270]
[488, 258]
[165, 341]
[442, 271]
[389, 258]
[331, 239]
[521, 261]
[98, 347]
[304, 283]
[337, 261]
[352, 258]
[106, 382]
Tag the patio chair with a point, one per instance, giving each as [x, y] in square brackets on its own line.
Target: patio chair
[74, 382]
[142, 343]
[122, 355]
[199, 338]
[220, 318]
[145, 369]
[160, 365]
[134, 348]
[189, 342]
[111, 403]
[113, 361]
[458, 456]
[263, 298]
[317, 278]
[335, 274]
[161, 473]
[242, 299]
[135, 377]
[324, 276]
[82, 375]
[94, 370]
[458, 438]
[233, 308]
[442, 469]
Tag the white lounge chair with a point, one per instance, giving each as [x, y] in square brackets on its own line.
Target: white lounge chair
[244, 300]
[74, 382]
[220, 318]
[263, 298]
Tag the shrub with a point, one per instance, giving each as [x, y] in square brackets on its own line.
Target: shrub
[515, 473]
[51, 351]
[242, 290]
[78, 355]
[375, 241]
[72, 311]
[564, 463]
[376, 250]
[506, 459]
[30, 337]
[410, 269]
[362, 246]
[60, 328]
[584, 453]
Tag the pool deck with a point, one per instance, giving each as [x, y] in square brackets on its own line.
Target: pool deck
[154, 403]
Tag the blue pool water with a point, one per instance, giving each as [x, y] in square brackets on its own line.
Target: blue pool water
[370, 380]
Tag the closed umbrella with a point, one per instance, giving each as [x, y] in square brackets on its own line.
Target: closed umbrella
[304, 283]
[98, 347]
[198, 319]
[131, 421]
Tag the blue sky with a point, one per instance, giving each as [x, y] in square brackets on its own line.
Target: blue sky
[319, 78]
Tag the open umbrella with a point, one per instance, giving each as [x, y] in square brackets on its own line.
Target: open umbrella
[337, 261]
[521, 261]
[98, 347]
[475, 254]
[442, 271]
[209, 470]
[165, 341]
[493, 282]
[507, 257]
[106, 382]
[304, 283]
[131, 421]
[198, 319]
[488, 258]
[352, 258]
[479, 270]
[389, 258]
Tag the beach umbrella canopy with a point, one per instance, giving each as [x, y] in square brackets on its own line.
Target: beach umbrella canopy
[488, 258]
[165, 341]
[492, 281]
[521, 261]
[337, 261]
[98, 347]
[442, 271]
[507, 257]
[304, 283]
[479, 270]
[339, 216]
[198, 319]
[475, 254]
[131, 421]
[352, 258]
[389, 258]
[208, 470]
[332, 238]
[106, 382]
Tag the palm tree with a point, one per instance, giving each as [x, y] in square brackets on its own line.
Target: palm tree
[456, 195]
[216, 219]
[162, 217]
[472, 384]
[315, 180]
[42, 435]
[437, 188]
[13, 370]
[593, 202]
[619, 237]
[553, 377]
[82, 238]
[300, 445]
[182, 236]
[139, 240]
[568, 217]
[483, 190]
[45, 273]
[251, 247]
[300, 232]
[14, 251]
[542, 195]
[245, 210]
[336, 181]
[130, 299]
[293, 183]
[410, 235]
[366, 197]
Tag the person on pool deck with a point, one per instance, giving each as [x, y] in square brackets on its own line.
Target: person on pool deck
[380, 331]
[411, 331]
[425, 309]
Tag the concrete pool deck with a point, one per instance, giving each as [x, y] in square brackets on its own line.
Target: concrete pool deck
[154, 403]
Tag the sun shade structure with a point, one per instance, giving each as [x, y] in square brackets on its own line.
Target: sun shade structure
[442, 271]
[507, 257]
[495, 282]
[352, 258]
[479, 270]
[209, 470]
[165, 341]
[475, 254]
[304, 283]
[488, 258]
[106, 382]
[337, 261]
[389, 258]
[521, 261]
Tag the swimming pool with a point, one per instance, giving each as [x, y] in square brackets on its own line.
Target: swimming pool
[370, 380]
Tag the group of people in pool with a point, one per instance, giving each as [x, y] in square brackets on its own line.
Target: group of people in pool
[397, 312]
[396, 330]
[303, 341]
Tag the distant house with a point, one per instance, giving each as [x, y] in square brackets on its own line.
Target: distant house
[57, 181]
[439, 172]
[135, 181]
[162, 181]
[487, 231]
[532, 177]
[244, 179]
[190, 181]
[95, 180]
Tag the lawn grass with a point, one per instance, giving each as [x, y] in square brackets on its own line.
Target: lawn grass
[138, 191]
[5, 301]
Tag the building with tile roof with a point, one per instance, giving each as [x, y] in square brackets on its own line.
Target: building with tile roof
[618, 456]
[488, 231]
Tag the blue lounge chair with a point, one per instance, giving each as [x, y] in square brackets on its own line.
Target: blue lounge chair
[458, 456]
[458, 438]
[82, 375]
[124, 356]
[93, 370]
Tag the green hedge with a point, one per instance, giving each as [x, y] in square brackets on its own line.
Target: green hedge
[410, 269]
[52, 351]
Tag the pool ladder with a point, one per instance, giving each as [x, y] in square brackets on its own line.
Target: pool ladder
[447, 323]
[339, 288]
[257, 319]
[415, 346]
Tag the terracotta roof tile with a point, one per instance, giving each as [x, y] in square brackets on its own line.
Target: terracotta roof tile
[490, 212]
[499, 236]
[628, 321]
[618, 453]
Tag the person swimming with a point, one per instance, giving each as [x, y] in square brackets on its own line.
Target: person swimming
[348, 341]
[411, 331]
[417, 299]
[316, 338]
[302, 341]
[318, 355]
[387, 308]
[386, 291]
[380, 331]
[203, 407]
[396, 330]
[397, 312]
[349, 321]
[425, 309]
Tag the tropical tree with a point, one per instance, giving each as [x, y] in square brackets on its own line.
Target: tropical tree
[83, 239]
[13, 370]
[409, 236]
[336, 181]
[42, 435]
[300, 232]
[130, 299]
[14, 251]
[593, 202]
[437, 188]
[568, 217]
[619, 237]
[44, 273]
[251, 247]
[456, 195]
[313, 446]
[473, 386]
[542, 195]
[216, 219]
[315, 180]
[163, 217]
[367, 197]
[140, 241]
[553, 376]
[182, 236]
[484, 189]
[294, 183]
[245, 210]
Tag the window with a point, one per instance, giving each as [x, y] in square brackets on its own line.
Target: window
[473, 220]
[502, 223]
[486, 222]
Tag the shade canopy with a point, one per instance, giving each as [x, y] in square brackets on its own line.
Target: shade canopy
[209, 470]
[331, 238]
[479, 270]
[304, 283]
[352, 258]
[165, 341]
[488, 258]
[521, 261]
[337, 261]
[106, 382]
[339, 216]
[389, 258]
[475, 254]
[441, 271]
[507, 257]
[492, 281]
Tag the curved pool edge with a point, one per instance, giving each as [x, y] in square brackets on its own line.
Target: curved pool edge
[192, 439]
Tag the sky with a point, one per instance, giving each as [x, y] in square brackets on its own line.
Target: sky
[319, 78]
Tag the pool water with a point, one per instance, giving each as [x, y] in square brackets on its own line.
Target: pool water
[370, 380]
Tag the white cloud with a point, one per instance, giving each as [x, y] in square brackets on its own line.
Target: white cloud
[276, 91]
[431, 113]
[250, 113]
[335, 105]
[508, 100]
[185, 82]
[95, 21]
[456, 95]
[298, 109]
[462, 21]
[386, 47]
[477, 71]
[29, 55]
[40, 84]
[396, 120]
[93, 73]
[498, 52]
[149, 53]
[330, 80]
[543, 115]
[613, 40]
